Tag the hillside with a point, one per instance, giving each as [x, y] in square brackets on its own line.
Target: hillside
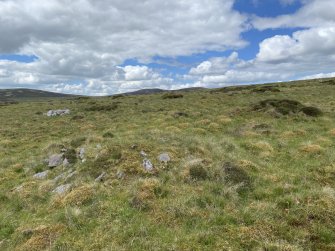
[235, 168]
[28, 94]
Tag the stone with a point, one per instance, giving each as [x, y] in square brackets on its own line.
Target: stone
[53, 113]
[101, 177]
[55, 160]
[82, 154]
[66, 163]
[62, 189]
[143, 154]
[148, 166]
[120, 174]
[164, 157]
[41, 175]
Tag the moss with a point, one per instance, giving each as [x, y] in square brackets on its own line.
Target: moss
[198, 172]
[312, 111]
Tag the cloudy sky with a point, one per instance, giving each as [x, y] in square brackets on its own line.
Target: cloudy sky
[112, 46]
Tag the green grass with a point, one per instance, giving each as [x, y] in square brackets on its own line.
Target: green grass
[239, 178]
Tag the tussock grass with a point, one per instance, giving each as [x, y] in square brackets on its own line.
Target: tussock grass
[237, 180]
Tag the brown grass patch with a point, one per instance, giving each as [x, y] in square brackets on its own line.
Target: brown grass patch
[79, 196]
[311, 148]
[42, 237]
[332, 132]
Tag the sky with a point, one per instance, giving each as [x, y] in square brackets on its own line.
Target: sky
[105, 47]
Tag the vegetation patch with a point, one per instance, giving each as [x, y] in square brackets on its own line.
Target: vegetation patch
[286, 107]
[172, 95]
[77, 142]
[102, 108]
[235, 175]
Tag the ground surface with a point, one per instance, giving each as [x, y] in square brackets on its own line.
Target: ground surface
[242, 175]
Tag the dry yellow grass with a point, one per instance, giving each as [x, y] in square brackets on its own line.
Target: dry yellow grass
[332, 132]
[42, 238]
[311, 148]
[79, 196]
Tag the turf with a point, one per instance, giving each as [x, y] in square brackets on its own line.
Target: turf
[239, 178]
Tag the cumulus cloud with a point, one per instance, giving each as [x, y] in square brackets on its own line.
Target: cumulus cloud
[307, 53]
[86, 39]
[314, 13]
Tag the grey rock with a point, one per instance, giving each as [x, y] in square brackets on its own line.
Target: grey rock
[53, 113]
[120, 174]
[148, 166]
[66, 163]
[143, 154]
[41, 175]
[55, 160]
[101, 177]
[62, 189]
[82, 154]
[164, 157]
[71, 174]
[59, 177]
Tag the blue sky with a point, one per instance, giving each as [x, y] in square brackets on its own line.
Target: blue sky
[129, 45]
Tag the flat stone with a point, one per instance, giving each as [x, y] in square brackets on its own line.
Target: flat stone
[53, 113]
[62, 189]
[143, 154]
[164, 157]
[66, 163]
[148, 166]
[55, 160]
[101, 177]
[41, 175]
[120, 174]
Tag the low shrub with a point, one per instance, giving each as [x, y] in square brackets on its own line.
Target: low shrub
[99, 108]
[172, 95]
[77, 142]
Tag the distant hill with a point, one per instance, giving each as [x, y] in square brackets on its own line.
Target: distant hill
[28, 94]
[156, 90]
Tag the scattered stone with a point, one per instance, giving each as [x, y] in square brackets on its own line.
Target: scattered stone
[59, 177]
[148, 166]
[82, 154]
[41, 175]
[70, 175]
[55, 160]
[164, 157]
[143, 154]
[52, 113]
[134, 146]
[66, 163]
[120, 174]
[101, 177]
[62, 189]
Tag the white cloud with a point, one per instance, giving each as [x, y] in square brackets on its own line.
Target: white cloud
[314, 13]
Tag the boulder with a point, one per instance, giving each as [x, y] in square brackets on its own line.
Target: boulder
[53, 113]
[62, 189]
[164, 157]
[41, 175]
[55, 160]
[148, 166]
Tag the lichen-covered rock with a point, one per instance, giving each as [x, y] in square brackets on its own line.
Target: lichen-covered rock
[55, 160]
[164, 157]
[148, 166]
[41, 175]
[62, 189]
[53, 113]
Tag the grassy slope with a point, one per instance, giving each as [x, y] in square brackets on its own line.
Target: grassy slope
[28, 94]
[289, 204]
